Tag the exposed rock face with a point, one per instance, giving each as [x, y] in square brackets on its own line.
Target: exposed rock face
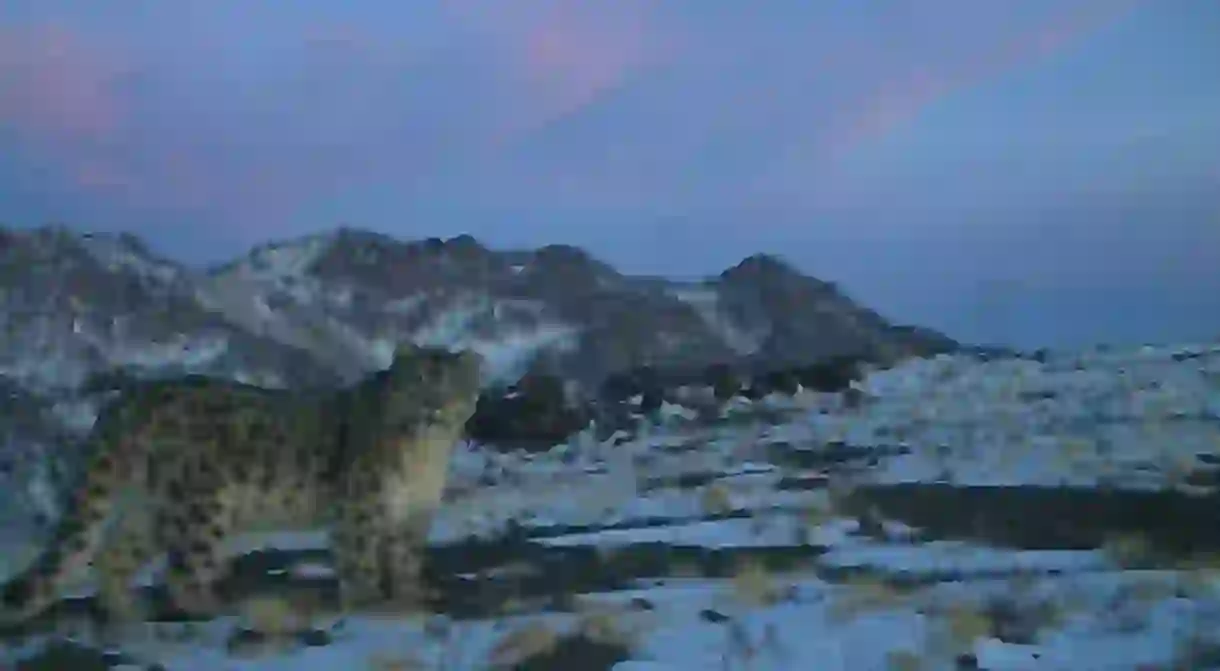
[795, 313]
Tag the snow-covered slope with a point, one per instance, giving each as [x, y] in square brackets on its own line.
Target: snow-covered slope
[1007, 514]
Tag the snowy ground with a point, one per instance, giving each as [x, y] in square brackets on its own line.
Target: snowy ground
[1003, 515]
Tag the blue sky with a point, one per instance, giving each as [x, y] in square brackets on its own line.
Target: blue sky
[1033, 171]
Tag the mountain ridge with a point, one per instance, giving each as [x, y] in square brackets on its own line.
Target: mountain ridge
[329, 306]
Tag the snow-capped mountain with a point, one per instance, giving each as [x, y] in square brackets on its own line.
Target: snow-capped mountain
[332, 306]
[73, 305]
[555, 308]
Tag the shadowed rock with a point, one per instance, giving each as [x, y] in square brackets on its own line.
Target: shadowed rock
[577, 651]
[534, 414]
[1065, 518]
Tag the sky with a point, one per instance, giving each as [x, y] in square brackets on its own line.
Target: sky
[1031, 172]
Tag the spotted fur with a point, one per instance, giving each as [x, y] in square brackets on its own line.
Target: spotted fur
[180, 466]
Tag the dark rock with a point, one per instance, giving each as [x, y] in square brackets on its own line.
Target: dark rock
[63, 655]
[1186, 355]
[533, 415]
[831, 375]
[782, 381]
[638, 381]
[724, 382]
[315, 638]
[578, 651]
[966, 662]
[1175, 524]
[754, 392]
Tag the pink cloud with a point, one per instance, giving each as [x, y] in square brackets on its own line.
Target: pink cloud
[899, 89]
[60, 90]
[335, 105]
[572, 59]
[531, 64]
[564, 56]
[901, 98]
[896, 101]
[60, 94]
[55, 83]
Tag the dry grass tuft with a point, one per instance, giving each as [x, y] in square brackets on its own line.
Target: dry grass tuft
[716, 499]
[523, 643]
[903, 660]
[273, 615]
[862, 595]
[1129, 550]
[753, 584]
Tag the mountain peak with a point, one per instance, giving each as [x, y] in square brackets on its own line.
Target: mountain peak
[765, 260]
[761, 265]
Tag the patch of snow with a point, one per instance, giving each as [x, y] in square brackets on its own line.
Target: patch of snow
[113, 252]
[453, 324]
[510, 353]
[53, 370]
[287, 259]
[954, 556]
[76, 415]
[269, 379]
[184, 350]
[506, 354]
[706, 302]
